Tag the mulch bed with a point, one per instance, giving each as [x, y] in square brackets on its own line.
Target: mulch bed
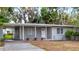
[57, 45]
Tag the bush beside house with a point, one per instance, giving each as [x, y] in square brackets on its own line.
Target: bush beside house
[76, 35]
[69, 34]
[8, 36]
[72, 35]
[5, 37]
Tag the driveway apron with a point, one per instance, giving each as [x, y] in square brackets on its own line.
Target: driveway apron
[20, 46]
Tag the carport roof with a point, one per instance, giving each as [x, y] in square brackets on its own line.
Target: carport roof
[35, 24]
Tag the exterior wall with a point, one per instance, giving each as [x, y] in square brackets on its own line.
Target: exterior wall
[29, 32]
[56, 36]
[16, 35]
[49, 33]
[44, 32]
[38, 30]
[1, 32]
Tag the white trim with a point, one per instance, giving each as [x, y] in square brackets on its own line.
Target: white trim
[39, 25]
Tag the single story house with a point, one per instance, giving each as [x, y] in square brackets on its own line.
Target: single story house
[33, 30]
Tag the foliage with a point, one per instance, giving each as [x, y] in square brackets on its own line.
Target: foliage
[44, 15]
[72, 21]
[76, 34]
[59, 15]
[4, 15]
[8, 36]
[3, 19]
[2, 39]
[49, 15]
[17, 14]
[68, 34]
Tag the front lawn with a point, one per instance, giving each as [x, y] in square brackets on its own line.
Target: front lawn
[57, 45]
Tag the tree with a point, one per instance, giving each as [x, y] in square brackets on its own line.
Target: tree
[50, 15]
[75, 15]
[26, 14]
[33, 14]
[17, 14]
[4, 15]
[44, 14]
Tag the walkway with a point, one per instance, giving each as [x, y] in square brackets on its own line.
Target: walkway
[20, 46]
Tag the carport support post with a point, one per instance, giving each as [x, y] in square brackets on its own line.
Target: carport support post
[23, 32]
[20, 32]
[35, 31]
[46, 33]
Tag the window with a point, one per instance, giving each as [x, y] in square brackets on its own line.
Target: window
[59, 30]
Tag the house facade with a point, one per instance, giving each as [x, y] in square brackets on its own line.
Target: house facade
[33, 30]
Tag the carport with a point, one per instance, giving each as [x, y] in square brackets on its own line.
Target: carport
[29, 30]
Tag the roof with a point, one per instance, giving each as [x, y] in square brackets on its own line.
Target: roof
[35, 24]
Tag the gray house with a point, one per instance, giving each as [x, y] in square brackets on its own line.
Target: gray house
[33, 30]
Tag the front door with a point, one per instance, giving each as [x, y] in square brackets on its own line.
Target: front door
[43, 33]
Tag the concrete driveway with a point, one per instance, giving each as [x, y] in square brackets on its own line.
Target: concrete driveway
[20, 46]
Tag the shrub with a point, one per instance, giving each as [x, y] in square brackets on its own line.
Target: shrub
[68, 34]
[76, 34]
[8, 36]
